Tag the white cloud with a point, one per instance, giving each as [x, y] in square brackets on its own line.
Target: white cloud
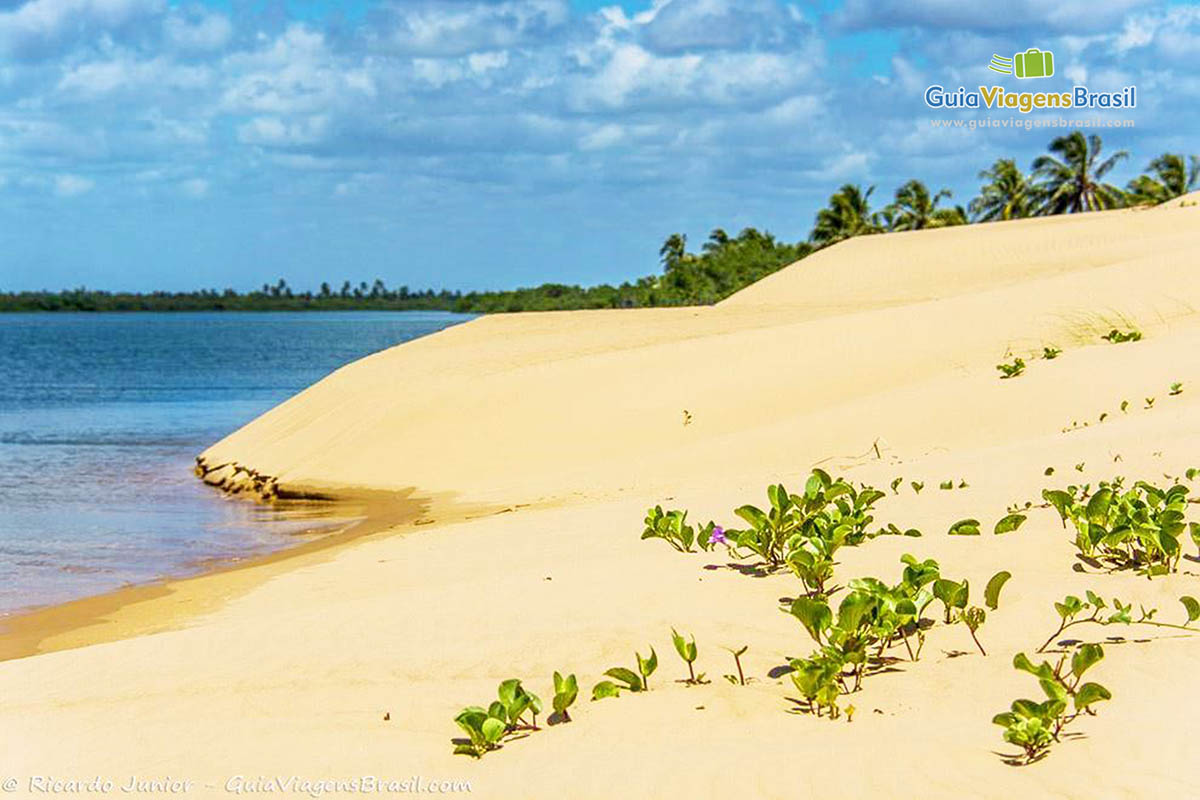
[197, 33]
[1063, 16]
[34, 28]
[72, 185]
[126, 73]
[195, 187]
[450, 27]
[278, 132]
[602, 137]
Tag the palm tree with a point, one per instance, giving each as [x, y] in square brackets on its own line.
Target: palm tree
[1008, 194]
[674, 251]
[716, 240]
[1171, 177]
[1073, 182]
[915, 209]
[848, 214]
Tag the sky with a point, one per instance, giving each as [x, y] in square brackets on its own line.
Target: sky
[153, 144]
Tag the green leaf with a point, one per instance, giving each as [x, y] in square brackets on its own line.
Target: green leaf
[1097, 507]
[1069, 607]
[1085, 657]
[1061, 501]
[854, 607]
[649, 664]
[493, 730]
[814, 615]
[631, 679]
[1090, 693]
[991, 594]
[1054, 689]
[1042, 671]
[509, 690]
[1010, 523]
[952, 593]
[686, 649]
[605, 689]
[1193, 607]
[565, 692]
[754, 516]
[965, 527]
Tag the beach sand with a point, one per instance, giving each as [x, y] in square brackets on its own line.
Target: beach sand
[528, 448]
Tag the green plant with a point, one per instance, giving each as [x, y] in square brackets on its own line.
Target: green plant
[1117, 337]
[1051, 353]
[1011, 370]
[964, 527]
[917, 486]
[896, 483]
[687, 651]
[485, 728]
[672, 527]
[870, 618]
[1176, 389]
[1139, 528]
[1048, 471]
[484, 732]
[1034, 726]
[646, 667]
[628, 679]
[945, 485]
[565, 691]
[1009, 523]
[1071, 609]
[805, 531]
[1124, 406]
[605, 689]
[737, 660]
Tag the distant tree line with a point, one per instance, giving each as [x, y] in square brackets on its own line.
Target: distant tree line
[1068, 179]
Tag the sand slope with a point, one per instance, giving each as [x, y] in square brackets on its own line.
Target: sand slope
[889, 339]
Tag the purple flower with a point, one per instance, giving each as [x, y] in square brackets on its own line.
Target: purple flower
[717, 536]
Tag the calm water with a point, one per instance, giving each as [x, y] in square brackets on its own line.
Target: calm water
[101, 417]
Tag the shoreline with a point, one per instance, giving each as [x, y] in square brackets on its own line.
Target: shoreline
[170, 603]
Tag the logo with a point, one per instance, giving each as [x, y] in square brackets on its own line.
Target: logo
[1033, 63]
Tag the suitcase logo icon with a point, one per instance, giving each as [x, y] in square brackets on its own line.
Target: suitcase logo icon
[1033, 63]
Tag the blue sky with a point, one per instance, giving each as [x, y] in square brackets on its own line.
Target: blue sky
[494, 143]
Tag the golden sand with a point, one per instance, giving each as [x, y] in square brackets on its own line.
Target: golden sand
[531, 446]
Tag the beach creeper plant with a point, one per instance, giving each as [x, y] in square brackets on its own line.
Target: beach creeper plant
[804, 531]
[740, 678]
[1120, 337]
[1140, 528]
[871, 618]
[627, 679]
[1093, 610]
[1011, 370]
[485, 728]
[565, 691]
[687, 651]
[1034, 726]
[673, 528]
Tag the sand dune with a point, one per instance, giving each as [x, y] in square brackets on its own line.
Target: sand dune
[574, 423]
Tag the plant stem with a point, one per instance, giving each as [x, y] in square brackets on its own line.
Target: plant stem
[691, 673]
[741, 677]
[1066, 625]
[977, 644]
[907, 646]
